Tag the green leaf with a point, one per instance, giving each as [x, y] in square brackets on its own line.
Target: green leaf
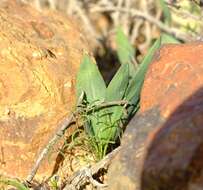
[135, 86]
[125, 50]
[107, 126]
[13, 182]
[97, 124]
[115, 91]
[166, 12]
[103, 126]
[117, 87]
[90, 81]
[133, 91]
[168, 39]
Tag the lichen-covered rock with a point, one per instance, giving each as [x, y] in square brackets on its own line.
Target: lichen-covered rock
[170, 152]
[40, 54]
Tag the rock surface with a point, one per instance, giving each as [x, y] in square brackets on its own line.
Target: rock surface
[171, 119]
[124, 172]
[40, 54]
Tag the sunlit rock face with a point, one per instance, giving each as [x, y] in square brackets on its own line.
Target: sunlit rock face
[40, 54]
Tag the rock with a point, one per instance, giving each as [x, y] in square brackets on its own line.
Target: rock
[174, 158]
[167, 133]
[40, 55]
[124, 171]
[174, 75]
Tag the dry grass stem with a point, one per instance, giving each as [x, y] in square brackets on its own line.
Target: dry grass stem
[84, 175]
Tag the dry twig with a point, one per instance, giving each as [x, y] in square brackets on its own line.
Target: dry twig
[63, 126]
[107, 104]
[84, 175]
[138, 14]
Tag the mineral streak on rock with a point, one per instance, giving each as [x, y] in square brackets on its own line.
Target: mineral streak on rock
[40, 55]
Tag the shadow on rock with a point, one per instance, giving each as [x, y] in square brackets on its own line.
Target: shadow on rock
[174, 157]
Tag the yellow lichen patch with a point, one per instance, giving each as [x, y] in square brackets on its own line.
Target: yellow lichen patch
[28, 109]
[18, 144]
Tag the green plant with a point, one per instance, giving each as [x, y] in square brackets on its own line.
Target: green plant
[13, 182]
[103, 124]
[53, 182]
[166, 12]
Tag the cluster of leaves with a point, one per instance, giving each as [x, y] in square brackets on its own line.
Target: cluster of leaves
[104, 124]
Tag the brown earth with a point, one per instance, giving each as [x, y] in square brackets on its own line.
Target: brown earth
[40, 55]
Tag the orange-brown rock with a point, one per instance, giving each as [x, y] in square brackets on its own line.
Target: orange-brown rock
[40, 55]
[174, 75]
[162, 147]
[174, 158]
[126, 168]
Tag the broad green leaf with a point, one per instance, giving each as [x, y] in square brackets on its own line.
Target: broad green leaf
[117, 87]
[103, 126]
[90, 81]
[166, 12]
[13, 182]
[125, 50]
[134, 88]
[101, 122]
[115, 91]
[110, 124]
[108, 128]
[98, 124]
